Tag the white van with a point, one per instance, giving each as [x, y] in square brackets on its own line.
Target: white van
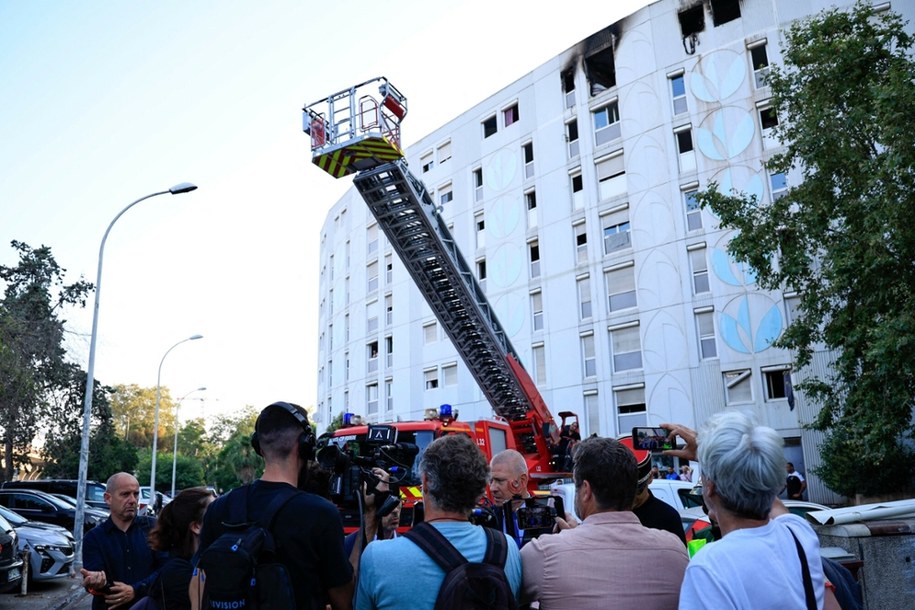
[671, 491]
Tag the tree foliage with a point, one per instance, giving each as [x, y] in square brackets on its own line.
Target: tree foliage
[236, 462]
[32, 353]
[843, 238]
[134, 409]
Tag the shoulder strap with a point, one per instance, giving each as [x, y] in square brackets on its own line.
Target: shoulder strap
[237, 506]
[281, 499]
[496, 548]
[805, 569]
[434, 544]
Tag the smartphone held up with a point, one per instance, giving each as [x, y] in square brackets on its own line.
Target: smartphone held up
[652, 439]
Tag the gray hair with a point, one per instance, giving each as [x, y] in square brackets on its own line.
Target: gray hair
[512, 459]
[744, 460]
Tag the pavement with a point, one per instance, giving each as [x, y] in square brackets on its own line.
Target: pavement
[61, 594]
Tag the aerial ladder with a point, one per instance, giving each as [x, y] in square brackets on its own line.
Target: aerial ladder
[358, 131]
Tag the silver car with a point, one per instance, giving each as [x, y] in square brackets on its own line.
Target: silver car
[51, 546]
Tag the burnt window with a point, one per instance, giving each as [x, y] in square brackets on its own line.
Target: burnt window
[489, 126]
[692, 20]
[724, 11]
[601, 70]
[568, 87]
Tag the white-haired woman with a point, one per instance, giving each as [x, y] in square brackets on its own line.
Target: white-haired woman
[767, 557]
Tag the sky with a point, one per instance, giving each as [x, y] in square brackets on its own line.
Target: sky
[104, 102]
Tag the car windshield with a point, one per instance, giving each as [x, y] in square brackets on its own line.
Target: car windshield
[14, 518]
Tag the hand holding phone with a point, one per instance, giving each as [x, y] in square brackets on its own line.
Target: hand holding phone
[652, 439]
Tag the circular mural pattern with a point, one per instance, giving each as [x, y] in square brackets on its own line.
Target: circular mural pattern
[751, 323]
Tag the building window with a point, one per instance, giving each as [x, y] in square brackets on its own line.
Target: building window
[388, 269]
[530, 200]
[768, 119]
[389, 395]
[568, 87]
[621, 287]
[792, 307]
[371, 274]
[372, 356]
[606, 123]
[537, 310]
[489, 126]
[480, 226]
[445, 195]
[693, 210]
[760, 61]
[699, 265]
[371, 239]
[626, 346]
[685, 153]
[578, 191]
[591, 411]
[330, 373]
[430, 378]
[630, 406]
[572, 138]
[371, 317]
[538, 353]
[588, 356]
[345, 366]
[678, 93]
[330, 337]
[527, 151]
[601, 70]
[611, 176]
[724, 11]
[581, 242]
[510, 115]
[449, 374]
[478, 184]
[584, 297]
[444, 152]
[778, 184]
[427, 162]
[389, 351]
[533, 249]
[615, 229]
[737, 387]
[777, 381]
[705, 326]
[346, 328]
[388, 310]
[371, 398]
[430, 332]
[481, 272]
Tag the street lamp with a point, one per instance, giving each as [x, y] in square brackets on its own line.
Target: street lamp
[175, 446]
[152, 475]
[79, 518]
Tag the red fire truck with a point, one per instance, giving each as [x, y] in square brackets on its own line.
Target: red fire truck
[357, 132]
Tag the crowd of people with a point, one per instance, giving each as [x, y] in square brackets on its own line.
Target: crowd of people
[623, 535]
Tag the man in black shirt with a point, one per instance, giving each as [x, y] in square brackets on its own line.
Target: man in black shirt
[307, 530]
[650, 511]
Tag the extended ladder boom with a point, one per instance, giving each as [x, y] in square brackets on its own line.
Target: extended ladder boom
[368, 143]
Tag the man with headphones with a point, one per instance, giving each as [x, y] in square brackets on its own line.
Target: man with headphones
[307, 528]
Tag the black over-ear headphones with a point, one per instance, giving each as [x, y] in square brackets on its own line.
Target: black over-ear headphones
[307, 438]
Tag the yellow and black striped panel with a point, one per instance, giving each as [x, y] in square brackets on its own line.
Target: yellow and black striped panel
[357, 156]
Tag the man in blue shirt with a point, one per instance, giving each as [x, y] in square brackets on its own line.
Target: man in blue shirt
[118, 565]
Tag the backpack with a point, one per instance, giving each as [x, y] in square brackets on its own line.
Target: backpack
[468, 585]
[240, 566]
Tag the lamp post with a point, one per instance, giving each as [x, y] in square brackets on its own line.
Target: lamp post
[80, 516]
[175, 446]
[152, 475]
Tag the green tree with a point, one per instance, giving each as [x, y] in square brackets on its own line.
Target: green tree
[32, 354]
[134, 409]
[108, 453]
[236, 463]
[843, 238]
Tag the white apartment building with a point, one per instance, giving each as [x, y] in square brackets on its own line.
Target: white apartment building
[570, 192]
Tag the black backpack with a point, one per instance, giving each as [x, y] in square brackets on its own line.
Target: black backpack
[468, 585]
[241, 571]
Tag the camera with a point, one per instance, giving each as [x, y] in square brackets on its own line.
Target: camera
[538, 515]
[350, 460]
[651, 439]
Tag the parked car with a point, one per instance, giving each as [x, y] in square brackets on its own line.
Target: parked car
[51, 545]
[146, 505]
[10, 561]
[37, 505]
[95, 491]
[695, 520]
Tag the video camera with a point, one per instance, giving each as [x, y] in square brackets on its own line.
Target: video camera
[535, 517]
[351, 460]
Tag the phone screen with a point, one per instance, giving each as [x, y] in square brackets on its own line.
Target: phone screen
[651, 439]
